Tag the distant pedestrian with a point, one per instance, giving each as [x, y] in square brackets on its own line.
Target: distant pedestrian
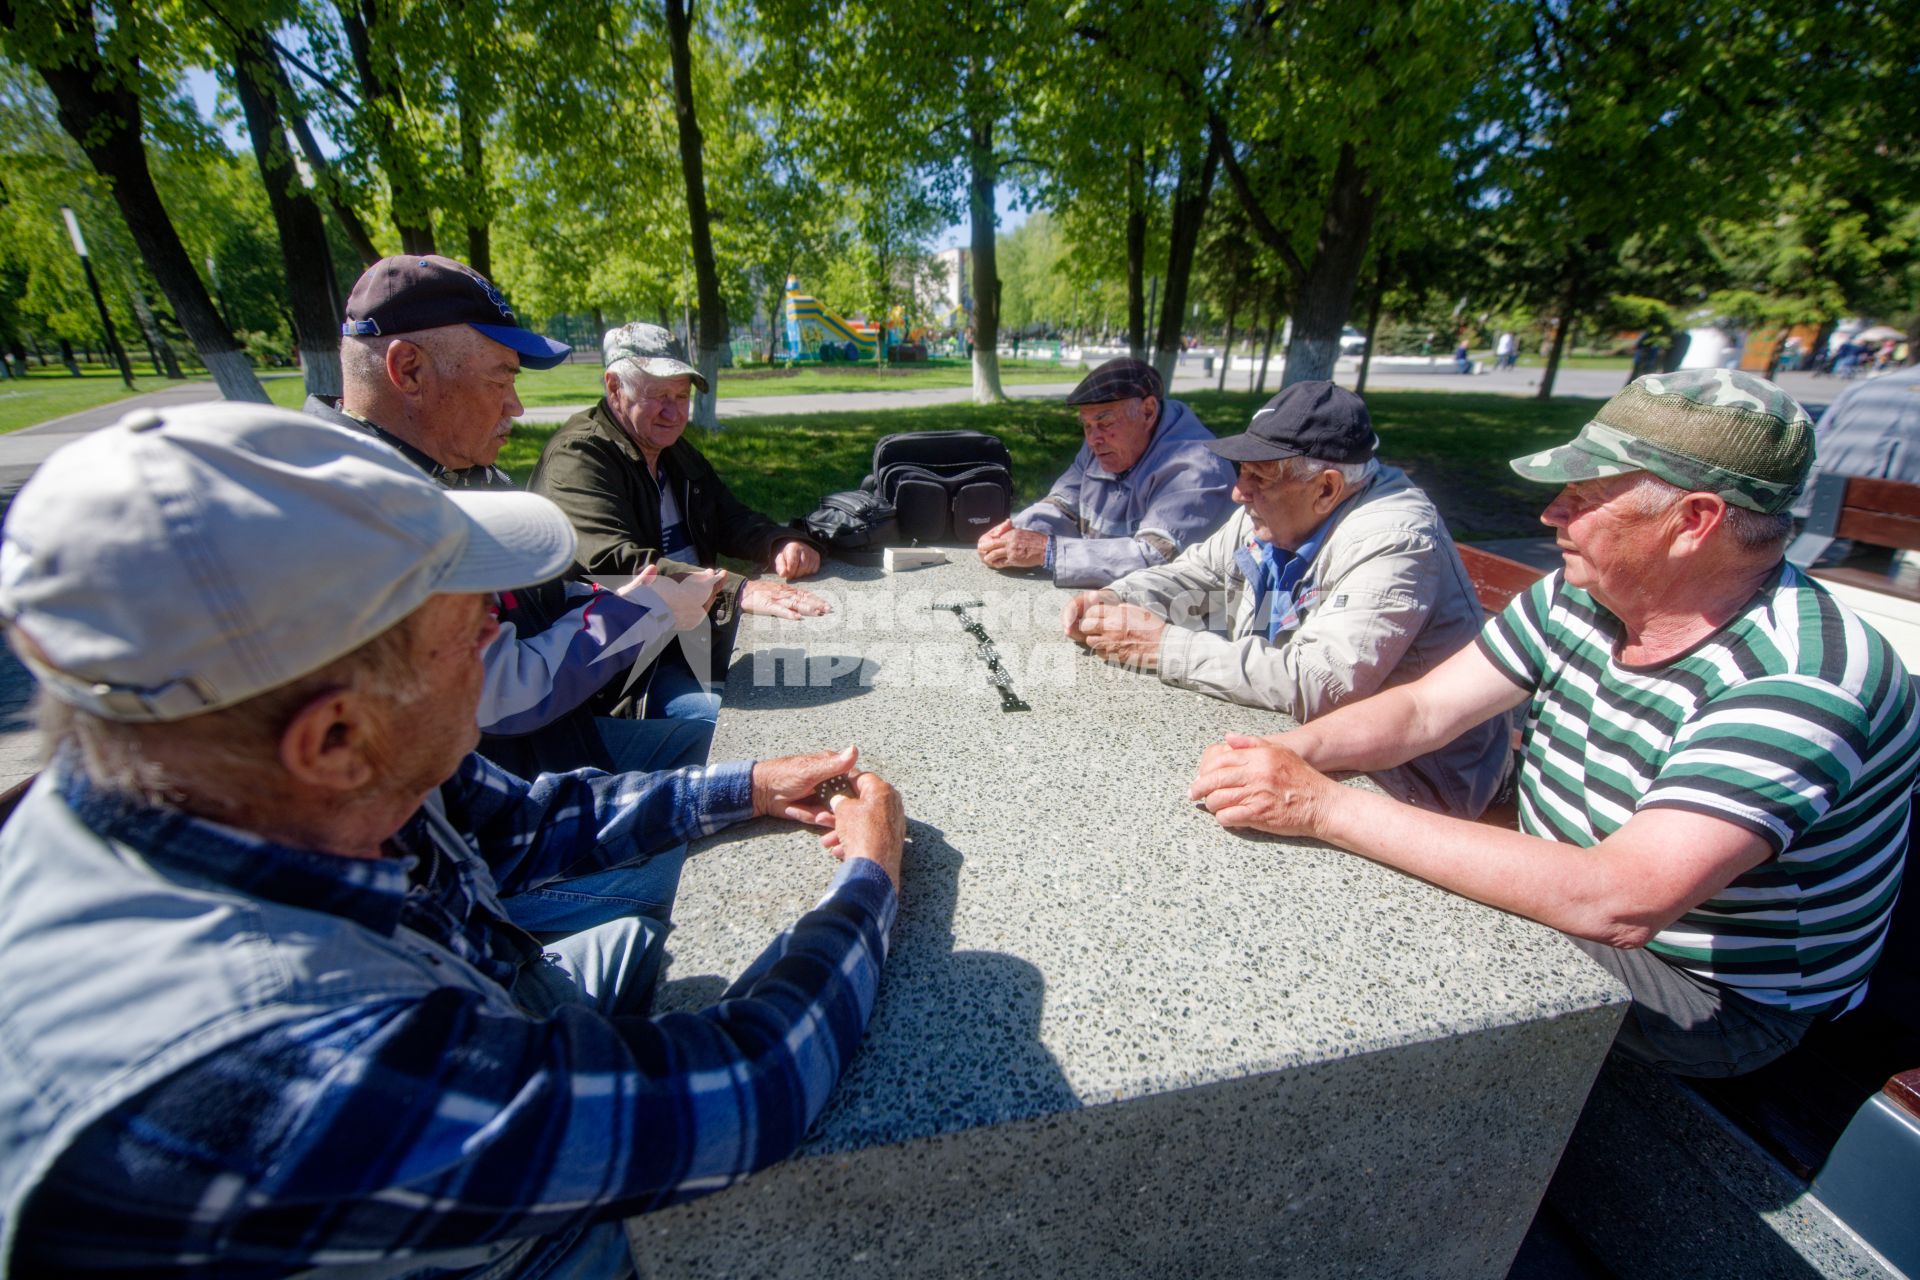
[1462, 360]
[1505, 351]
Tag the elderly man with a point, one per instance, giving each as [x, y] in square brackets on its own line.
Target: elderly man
[1336, 578]
[1142, 487]
[265, 1013]
[639, 493]
[428, 359]
[1719, 757]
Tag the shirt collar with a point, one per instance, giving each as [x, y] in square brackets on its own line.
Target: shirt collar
[368, 891]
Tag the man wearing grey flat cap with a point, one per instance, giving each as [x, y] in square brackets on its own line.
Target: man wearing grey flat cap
[640, 494]
[1718, 763]
[1142, 487]
[1334, 579]
[265, 1012]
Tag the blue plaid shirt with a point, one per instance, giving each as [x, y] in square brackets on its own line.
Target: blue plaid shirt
[396, 1126]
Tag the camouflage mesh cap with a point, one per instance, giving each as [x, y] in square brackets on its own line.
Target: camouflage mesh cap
[1707, 430]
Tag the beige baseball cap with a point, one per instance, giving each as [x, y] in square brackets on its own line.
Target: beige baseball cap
[187, 559]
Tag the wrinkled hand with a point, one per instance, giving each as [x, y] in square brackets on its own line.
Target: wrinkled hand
[1124, 634]
[776, 599]
[870, 823]
[786, 787]
[795, 560]
[1005, 547]
[1252, 782]
[688, 598]
[1071, 616]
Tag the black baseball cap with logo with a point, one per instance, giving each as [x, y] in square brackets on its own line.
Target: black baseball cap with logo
[411, 292]
[1317, 420]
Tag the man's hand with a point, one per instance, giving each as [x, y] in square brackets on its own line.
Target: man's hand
[796, 560]
[1124, 634]
[1005, 547]
[1251, 782]
[870, 823]
[778, 600]
[1070, 617]
[787, 787]
[688, 598]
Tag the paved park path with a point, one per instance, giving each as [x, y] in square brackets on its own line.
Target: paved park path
[22, 451]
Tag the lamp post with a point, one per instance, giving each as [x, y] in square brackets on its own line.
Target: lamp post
[93, 285]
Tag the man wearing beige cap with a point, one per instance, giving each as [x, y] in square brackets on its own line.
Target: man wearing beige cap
[1719, 758]
[265, 1012]
[639, 493]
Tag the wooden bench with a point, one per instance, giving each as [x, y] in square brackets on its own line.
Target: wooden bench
[1835, 1108]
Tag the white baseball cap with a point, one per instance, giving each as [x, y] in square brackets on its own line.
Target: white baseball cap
[190, 558]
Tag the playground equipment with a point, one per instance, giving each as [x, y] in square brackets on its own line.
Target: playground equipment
[815, 333]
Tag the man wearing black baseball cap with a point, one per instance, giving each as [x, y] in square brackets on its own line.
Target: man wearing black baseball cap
[1336, 577]
[1141, 488]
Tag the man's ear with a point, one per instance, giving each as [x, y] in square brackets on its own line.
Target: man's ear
[1694, 518]
[326, 744]
[1329, 486]
[406, 366]
[611, 381]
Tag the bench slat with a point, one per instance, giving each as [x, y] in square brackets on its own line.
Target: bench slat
[1881, 528]
[1896, 497]
[1496, 579]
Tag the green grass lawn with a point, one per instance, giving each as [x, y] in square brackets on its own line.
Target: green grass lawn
[53, 393]
[580, 383]
[1455, 444]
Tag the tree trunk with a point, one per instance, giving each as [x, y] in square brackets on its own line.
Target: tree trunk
[982, 175]
[1274, 311]
[1226, 352]
[162, 350]
[1569, 298]
[103, 116]
[1773, 356]
[381, 103]
[1137, 252]
[259, 82]
[329, 182]
[776, 323]
[473, 167]
[1373, 327]
[1325, 295]
[713, 307]
[1190, 196]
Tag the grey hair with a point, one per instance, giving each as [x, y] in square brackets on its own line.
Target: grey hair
[1750, 530]
[1352, 474]
[363, 361]
[633, 378]
[239, 743]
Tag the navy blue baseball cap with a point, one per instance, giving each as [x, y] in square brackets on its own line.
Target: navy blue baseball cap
[1316, 420]
[412, 292]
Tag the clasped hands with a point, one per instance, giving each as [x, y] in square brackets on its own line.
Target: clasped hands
[1005, 547]
[870, 822]
[1123, 634]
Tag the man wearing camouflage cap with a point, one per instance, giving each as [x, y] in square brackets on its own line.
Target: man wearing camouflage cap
[1717, 771]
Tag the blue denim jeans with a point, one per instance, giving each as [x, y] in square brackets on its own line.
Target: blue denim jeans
[675, 692]
[644, 886]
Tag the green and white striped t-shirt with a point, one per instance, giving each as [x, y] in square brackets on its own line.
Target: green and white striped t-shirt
[1794, 721]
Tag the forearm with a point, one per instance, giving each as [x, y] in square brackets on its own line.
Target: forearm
[532, 681]
[1095, 562]
[1577, 891]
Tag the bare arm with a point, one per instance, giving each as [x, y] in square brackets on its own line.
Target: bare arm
[1621, 891]
[1396, 724]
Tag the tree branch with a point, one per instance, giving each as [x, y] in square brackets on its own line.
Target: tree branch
[1276, 239]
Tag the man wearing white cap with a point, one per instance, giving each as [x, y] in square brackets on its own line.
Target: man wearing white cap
[639, 493]
[265, 1013]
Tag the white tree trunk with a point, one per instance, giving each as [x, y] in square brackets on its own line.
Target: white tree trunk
[233, 374]
[706, 404]
[986, 377]
[322, 369]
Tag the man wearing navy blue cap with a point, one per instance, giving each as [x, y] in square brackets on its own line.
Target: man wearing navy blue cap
[428, 357]
[1334, 579]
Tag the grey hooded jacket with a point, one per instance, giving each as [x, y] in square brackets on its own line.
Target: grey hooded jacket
[1384, 602]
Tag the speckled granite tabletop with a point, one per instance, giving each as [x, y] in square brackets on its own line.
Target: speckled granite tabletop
[1075, 932]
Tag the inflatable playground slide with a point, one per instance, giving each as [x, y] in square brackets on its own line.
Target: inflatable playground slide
[810, 327]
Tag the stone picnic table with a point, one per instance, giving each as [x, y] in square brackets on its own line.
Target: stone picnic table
[1113, 1039]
